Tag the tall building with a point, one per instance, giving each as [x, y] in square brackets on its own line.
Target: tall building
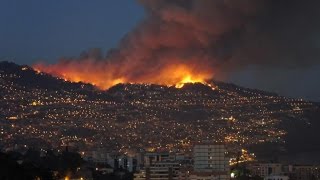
[210, 162]
[210, 157]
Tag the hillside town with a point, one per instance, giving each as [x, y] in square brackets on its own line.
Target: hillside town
[131, 116]
[207, 161]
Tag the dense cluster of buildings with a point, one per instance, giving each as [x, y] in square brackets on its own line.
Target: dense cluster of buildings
[206, 161]
[132, 116]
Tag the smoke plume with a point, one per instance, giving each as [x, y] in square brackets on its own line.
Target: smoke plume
[194, 40]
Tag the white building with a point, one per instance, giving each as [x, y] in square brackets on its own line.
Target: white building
[210, 157]
[210, 162]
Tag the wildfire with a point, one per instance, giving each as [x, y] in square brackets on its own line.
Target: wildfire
[172, 75]
[176, 43]
[188, 79]
[172, 46]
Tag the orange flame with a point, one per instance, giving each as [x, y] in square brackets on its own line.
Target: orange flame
[171, 75]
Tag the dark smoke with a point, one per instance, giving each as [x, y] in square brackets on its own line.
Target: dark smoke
[216, 36]
[228, 33]
[231, 33]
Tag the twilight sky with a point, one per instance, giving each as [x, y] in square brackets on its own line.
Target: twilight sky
[46, 30]
[43, 29]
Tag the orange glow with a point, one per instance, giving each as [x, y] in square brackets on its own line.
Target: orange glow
[106, 76]
[188, 79]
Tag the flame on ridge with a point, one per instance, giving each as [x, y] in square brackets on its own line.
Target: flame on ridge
[171, 75]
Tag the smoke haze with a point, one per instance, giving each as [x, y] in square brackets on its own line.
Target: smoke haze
[203, 39]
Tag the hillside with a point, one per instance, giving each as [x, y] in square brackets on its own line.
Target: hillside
[39, 110]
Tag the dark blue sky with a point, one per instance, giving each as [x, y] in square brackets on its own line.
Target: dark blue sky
[33, 30]
[37, 29]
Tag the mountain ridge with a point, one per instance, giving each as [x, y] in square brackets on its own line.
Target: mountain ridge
[10, 66]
